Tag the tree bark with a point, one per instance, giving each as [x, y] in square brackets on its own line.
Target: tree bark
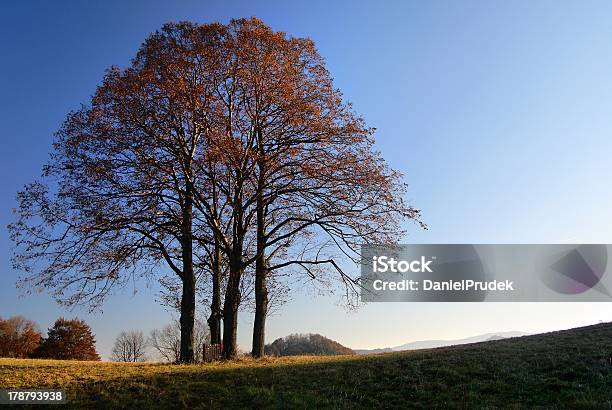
[187, 319]
[261, 308]
[261, 268]
[214, 321]
[230, 313]
[236, 268]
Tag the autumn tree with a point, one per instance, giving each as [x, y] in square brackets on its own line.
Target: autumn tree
[130, 347]
[116, 199]
[68, 340]
[221, 150]
[19, 337]
[308, 185]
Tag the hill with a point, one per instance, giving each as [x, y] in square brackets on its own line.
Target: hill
[308, 344]
[430, 344]
[373, 351]
[566, 369]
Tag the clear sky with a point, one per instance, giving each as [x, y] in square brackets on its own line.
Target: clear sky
[498, 113]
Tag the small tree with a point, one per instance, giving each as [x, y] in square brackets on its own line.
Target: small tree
[68, 340]
[19, 337]
[130, 347]
[166, 342]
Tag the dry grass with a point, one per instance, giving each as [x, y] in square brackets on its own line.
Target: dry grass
[556, 370]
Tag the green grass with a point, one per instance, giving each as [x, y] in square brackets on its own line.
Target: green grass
[568, 369]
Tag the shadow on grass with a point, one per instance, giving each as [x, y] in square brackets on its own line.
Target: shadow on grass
[559, 370]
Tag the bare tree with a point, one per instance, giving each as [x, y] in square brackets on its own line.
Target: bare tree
[130, 347]
[166, 341]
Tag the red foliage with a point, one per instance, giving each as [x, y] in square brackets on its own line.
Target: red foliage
[68, 340]
[19, 337]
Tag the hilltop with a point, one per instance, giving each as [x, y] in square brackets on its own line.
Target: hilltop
[306, 344]
[571, 368]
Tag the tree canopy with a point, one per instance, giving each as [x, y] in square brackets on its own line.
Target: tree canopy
[130, 346]
[19, 337]
[68, 339]
[221, 152]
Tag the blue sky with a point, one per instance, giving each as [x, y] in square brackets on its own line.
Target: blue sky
[497, 112]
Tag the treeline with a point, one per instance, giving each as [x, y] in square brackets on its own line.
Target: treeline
[72, 339]
[224, 155]
[67, 339]
[306, 344]
[163, 344]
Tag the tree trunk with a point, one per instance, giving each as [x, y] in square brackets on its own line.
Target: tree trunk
[235, 262]
[230, 315]
[261, 308]
[187, 319]
[261, 268]
[214, 321]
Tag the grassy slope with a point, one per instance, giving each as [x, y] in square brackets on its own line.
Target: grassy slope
[561, 369]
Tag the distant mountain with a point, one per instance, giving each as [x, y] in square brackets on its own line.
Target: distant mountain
[373, 351]
[495, 337]
[430, 344]
[306, 344]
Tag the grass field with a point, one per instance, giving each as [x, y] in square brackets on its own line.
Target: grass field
[565, 369]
